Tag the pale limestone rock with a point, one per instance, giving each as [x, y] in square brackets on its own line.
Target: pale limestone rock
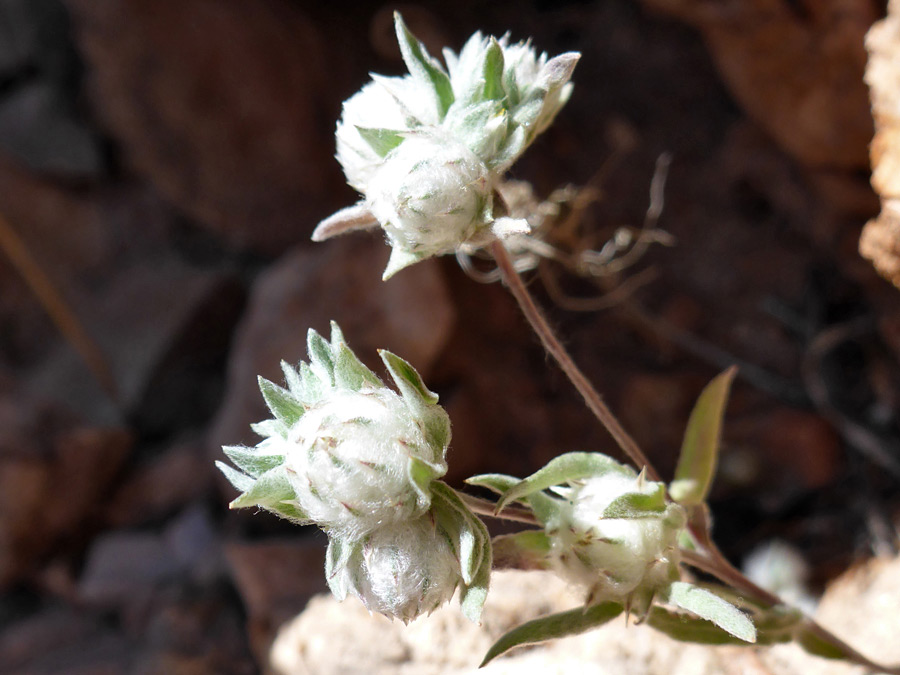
[329, 638]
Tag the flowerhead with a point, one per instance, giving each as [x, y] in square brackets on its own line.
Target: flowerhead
[471, 119]
[401, 570]
[344, 451]
[615, 535]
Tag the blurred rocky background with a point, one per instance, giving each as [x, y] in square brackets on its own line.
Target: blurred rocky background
[163, 163]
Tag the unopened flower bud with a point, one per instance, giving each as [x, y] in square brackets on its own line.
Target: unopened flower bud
[431, 195]
[402, 570]
[609, 536]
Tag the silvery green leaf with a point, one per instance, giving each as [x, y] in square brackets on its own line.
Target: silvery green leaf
[240, 481]
[284, 405]
[526, 550]
[270, 428]
[711, 607]
[408, 380]
[541, 504]
[400, 259]
[336, 556]
[564, 624]
[321, 360]
[255, 461]
[382, 141]
[700, 448]
[424, 69]
[564, 469]
[683, 628]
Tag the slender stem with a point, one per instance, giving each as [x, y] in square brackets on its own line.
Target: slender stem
[555, 348]
[15, 249]
[485, 508]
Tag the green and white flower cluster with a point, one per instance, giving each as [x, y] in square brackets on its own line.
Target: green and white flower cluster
[607, 529]
[361, 461]
[427, 150]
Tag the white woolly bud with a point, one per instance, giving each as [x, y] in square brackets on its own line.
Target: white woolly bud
[614, 556]
[401, 571]
[388, 103]
[431, 195]
[349, 460]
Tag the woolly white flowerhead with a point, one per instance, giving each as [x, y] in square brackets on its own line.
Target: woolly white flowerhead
[431, 195]
[348, 460]
[615, 534]
[401, 570]
[344, 451]
[426, 150]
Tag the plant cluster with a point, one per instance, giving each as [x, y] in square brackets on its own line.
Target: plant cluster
[427, 152]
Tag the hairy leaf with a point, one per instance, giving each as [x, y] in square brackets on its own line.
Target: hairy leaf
[564, 624]
[700, 448]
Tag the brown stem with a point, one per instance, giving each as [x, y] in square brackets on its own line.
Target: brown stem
[555, 348]
[485, 508]
[53, 303]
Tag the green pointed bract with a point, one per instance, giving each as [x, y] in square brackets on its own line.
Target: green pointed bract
[321, 359]
[711, 607]
[254, 461]
[350, 372]
[493, 71]
[424, 69]
[336, 556]
[292, 379]
[421, 475]
[284, 405]
[382, 141]
[269, 428]
[400, 259]
[311, 387]
[564, 624]
[241, 481]
[471, 541]
[647, 504]
[272, 491]
[564, 469]
[408, 380]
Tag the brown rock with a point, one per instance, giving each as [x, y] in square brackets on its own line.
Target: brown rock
[880, 239]
[51, 481]
[796, 69]
[219, 103]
